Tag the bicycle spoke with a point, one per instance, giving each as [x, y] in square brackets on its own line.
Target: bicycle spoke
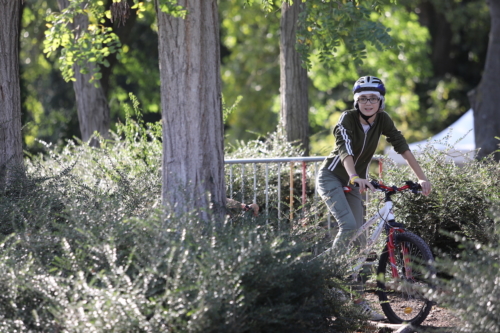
[403, 297]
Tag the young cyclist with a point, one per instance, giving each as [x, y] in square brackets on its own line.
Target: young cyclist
[357, 134]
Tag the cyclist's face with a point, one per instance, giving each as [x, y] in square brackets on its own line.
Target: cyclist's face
[369, 108]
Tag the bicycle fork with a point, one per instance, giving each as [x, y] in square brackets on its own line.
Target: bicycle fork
[391, 246]
[392, 256]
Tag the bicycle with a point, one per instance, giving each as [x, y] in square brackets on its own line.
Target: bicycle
[405, 265]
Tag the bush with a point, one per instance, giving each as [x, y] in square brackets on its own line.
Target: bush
[87, 247]
[459, 203]
[474, 289]
[167, 274]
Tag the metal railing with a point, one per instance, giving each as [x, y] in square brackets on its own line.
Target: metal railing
[279, 162]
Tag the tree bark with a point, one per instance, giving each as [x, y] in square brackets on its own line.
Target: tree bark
[294, 117]
[193, 142]
[11, 149]
[486, 98]
[91, 102]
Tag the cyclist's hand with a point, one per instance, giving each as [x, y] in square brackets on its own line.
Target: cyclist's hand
[426, 186]
[364, 184]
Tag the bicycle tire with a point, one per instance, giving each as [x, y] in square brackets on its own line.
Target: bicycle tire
[402, 299]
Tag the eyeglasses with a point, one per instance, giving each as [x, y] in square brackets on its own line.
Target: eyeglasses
[363, 100]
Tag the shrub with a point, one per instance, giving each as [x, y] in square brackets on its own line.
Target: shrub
[170, 274]
[87, 247]
[459, 203]
[474, 289]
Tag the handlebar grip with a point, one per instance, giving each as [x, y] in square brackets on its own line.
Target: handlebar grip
[414, 187]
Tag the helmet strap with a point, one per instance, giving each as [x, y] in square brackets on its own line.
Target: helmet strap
[365, 117]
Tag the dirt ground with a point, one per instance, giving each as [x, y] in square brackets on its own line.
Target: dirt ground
[439, 320]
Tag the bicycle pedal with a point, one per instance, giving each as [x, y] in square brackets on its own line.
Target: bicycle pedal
[369, 263]
[372, 256]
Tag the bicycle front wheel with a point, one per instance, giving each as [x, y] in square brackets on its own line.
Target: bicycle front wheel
[402, 297]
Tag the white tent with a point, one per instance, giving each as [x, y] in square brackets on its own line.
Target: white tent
[459, 135]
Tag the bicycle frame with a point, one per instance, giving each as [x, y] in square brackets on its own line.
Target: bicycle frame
[384, 215]
[398, 288]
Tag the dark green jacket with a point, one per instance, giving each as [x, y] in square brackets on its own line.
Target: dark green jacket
[351, 140]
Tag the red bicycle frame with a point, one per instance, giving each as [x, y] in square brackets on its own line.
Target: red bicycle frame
[387, 217]
[391, 246]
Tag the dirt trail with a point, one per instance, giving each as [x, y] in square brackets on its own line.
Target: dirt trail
[439, 320]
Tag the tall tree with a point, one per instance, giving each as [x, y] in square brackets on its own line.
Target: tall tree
[11, 152]
[441, 37]
[92, 104]
[315, 29]
[193, 155]
[486, 99]
[458, 46]
[294, 115]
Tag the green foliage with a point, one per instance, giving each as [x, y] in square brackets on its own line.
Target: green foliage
[325, 25]
[42, 87]
[460, 200]
[91, 46]
[402, 68]
[97, 42]
[467, 20]
[49, 109]
[458, 40]
[137, 70]
[474, 289]
[250, 68]
[226, 111]
[86, 246]
[134, 130]
[253, 73]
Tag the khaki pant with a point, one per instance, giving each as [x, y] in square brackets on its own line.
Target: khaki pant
[346, 208]
[348, 211]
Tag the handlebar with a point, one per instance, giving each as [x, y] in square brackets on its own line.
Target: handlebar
[410, 185]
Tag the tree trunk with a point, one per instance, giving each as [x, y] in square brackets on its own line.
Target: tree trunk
[193, 142]
[486, 99]
[11, 149]
[293, 83]
[441, 37]
[91, 102]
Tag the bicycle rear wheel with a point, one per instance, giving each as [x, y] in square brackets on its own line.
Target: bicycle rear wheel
[402, 298]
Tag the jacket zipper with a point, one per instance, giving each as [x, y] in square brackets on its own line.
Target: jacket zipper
[361, 152]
